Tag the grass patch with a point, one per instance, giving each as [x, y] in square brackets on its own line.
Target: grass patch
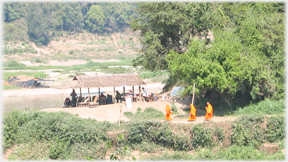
[231, 153]
[149, 113]
[35, 74]
[267, 106]
[155, 76]
[8, 87]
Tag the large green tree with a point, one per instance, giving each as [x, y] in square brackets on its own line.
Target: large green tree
[95, 19]
[14, 11]
[166, 26]
[244, 62]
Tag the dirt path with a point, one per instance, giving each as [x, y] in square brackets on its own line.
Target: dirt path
[114, 40]
[111, 112]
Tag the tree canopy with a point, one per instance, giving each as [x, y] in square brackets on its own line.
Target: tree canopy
[244, 61]
[45, 19]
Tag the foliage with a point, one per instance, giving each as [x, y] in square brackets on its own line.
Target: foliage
[67, 133]
[247, 130]
[15, 31]
[174, 107]
[166, 26]
[14, 11]
[236, 49]
[267, 106]
[95, 19]
[149, 113]
[275, 129]
[201, 137]
[64, 136]
[13, 64]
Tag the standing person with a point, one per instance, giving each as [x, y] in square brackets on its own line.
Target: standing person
[168, 113]
[118, 96]
[209, 111]
[73, 94]
[192, 112]
[145, 94]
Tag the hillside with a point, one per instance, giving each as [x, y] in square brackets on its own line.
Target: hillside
[78, 46]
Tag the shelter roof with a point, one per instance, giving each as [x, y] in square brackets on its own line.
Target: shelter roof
[23, 78]
[109, 80]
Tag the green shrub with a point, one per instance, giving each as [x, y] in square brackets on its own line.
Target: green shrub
[149, 113]
[174, 107]
[201, 137]
[219, 133]
[128, 114]
[56, 150]
[139, 109]
[267, 106]
[275, 129]
[13, 64]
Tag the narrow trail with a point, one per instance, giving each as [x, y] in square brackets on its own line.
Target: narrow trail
[114, 40]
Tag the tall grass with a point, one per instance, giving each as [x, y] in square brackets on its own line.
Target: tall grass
[231, 153]
[267, 106]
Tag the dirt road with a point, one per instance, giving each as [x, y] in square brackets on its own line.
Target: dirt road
[111, 112]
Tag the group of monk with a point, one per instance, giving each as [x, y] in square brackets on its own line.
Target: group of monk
[208, 116]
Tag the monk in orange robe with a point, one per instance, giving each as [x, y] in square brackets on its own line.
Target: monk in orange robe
[192, 112]
[209, 111]
[168, 113]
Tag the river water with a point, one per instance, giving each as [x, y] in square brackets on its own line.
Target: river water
[32, 102]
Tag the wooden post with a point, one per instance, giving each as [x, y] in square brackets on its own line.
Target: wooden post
[124, 90]
[80, 92]
[133, 89]
[114, 95]
[99, 92]
[140, 93]
[89, 95]
[193, 93]
[120, 114]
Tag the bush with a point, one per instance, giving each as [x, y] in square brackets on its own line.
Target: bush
[128, 114]
[65, 131]
[174, 107]
[201, 137]
[275, 129]
[267, 106]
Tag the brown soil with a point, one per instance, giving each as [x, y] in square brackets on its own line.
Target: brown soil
[269, 148]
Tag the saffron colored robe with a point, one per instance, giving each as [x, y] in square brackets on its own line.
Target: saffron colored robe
[209, 112]
[192, 112]
[168, 113]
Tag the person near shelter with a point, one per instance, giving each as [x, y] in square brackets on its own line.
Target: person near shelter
[118, 96]
[102, 95]
[209, 111]
[168, 113]
[192, 113]
[74, 100]
[144, 94]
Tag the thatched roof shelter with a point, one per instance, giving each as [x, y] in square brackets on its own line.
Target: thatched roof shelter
[112, 80]
[98, 81]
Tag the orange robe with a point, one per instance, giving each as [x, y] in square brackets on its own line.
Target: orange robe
[168, 113]
[209, 112]
[192, 112]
